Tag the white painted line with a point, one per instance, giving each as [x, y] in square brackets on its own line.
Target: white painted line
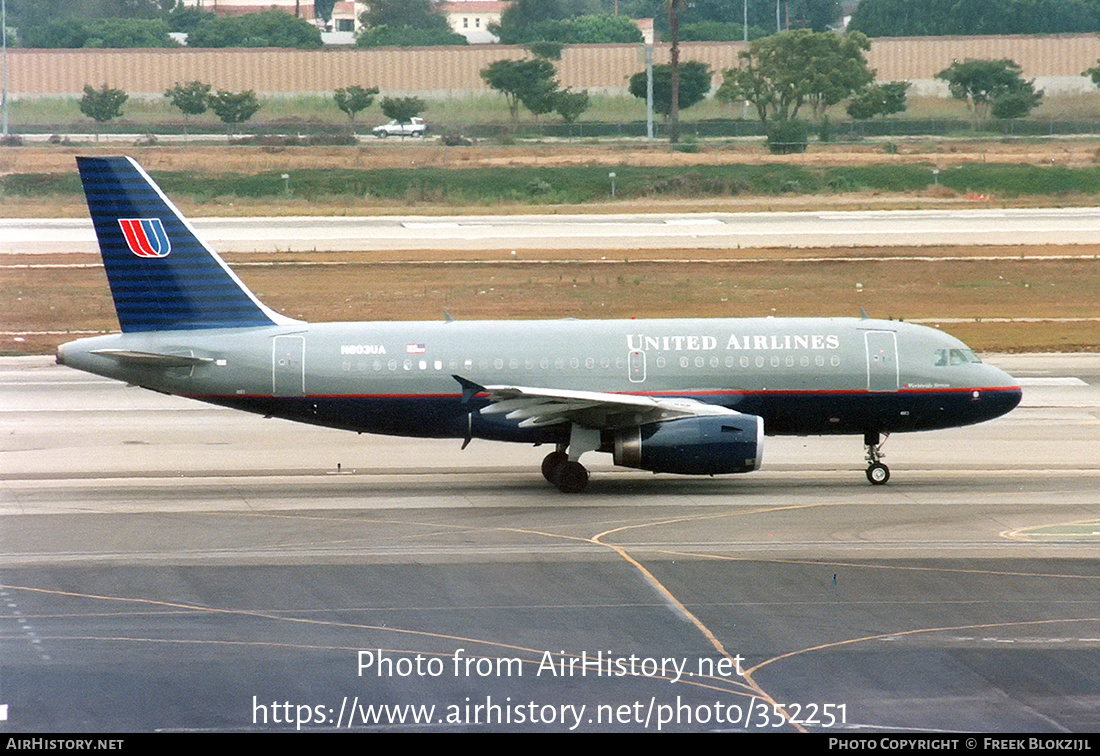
[1051, 382]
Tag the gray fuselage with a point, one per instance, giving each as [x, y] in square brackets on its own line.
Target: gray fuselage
[803, 376]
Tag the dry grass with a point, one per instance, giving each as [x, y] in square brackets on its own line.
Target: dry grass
[227, 160]
[59, 299]
[381, 287]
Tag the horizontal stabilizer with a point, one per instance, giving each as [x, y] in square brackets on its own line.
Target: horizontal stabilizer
[152, 358]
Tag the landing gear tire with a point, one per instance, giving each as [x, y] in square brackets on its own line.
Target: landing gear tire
[552, 463]
[572, 477]
[878, 474]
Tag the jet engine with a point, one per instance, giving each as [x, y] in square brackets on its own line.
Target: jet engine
[710, 445]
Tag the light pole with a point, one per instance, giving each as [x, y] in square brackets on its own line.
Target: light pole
[649, 91]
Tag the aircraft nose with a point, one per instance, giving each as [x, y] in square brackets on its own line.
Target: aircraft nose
[1001, 393]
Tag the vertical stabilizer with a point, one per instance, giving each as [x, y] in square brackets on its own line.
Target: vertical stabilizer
[162, 276]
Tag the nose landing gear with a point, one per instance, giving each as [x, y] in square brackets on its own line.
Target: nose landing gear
[877, 472]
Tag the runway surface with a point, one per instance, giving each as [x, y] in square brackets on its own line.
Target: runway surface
[1033, 226]
[165, 565]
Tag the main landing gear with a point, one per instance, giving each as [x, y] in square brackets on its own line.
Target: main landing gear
[562, 466]
[569, 476]
[877, 472]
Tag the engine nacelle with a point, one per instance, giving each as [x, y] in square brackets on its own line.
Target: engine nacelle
[710, 445]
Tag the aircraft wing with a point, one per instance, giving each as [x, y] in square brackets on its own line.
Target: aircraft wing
[535, 407]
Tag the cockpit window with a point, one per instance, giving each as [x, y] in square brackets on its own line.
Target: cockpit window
[946, 357]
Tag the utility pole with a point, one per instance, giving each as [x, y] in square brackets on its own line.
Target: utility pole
[4, 33]
[674, 55]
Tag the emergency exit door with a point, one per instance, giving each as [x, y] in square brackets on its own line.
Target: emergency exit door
[882, 360]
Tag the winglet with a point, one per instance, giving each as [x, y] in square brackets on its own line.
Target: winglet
[469, 388]
[863, 314]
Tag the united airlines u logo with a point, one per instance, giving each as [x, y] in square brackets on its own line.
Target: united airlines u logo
[145, 236]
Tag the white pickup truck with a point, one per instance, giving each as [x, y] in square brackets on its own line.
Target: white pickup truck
[416, 128]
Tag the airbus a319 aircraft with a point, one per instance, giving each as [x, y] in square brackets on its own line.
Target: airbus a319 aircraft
[693, 397]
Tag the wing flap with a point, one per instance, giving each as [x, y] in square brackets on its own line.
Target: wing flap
[535, 406]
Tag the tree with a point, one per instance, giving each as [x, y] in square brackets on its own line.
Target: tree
[103, 104]
[589, 29]
[406, 23]
[569, 104]
[234, 107]
[524, 14]
[402, 109]
[270, 28]
[1015, 104]
[527, 82]
[781, 73]
[694, 85]
[879, 99]
[354, 99]
[1093, 73]
[905, 18]
[817, 15]
[718, 31]
[98, 33]
[408, 36]
[981, 83]
[184, 20]
[192, 99]
[417, 14]
[546, 49]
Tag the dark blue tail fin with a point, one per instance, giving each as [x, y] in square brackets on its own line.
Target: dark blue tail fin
[162, 276]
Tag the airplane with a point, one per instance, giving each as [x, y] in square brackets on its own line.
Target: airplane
[686, 396]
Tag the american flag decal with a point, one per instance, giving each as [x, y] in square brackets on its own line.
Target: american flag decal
[145, 236]
[415, 349]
